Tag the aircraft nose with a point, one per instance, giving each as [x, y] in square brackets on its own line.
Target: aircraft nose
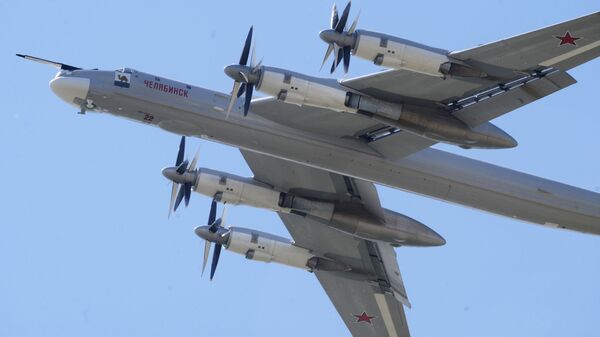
[69, 88]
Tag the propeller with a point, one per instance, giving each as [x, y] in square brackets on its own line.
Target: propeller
[245, 77]
[213, 232]
[183, 175]
[211, 219]
[340, 41]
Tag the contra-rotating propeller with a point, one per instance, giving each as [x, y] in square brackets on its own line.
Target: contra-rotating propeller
[245, 77]
[340, 41]
[182, 176]
[215, 231]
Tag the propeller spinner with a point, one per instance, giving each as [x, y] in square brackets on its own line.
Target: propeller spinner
[340, 41]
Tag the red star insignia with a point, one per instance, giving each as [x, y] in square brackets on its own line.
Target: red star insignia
[364, 318]
[567, 39]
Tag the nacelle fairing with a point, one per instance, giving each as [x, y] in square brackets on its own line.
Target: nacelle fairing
[235, 190]
[300, 89]
[350, 218]
[260, 246]
[397, 53]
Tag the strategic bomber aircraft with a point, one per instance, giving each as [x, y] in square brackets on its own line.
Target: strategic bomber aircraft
[317, 146]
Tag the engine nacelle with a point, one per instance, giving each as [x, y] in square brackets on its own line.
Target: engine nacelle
[265, 247]
[236, 190]
[351, 218]
[354, 219]
[396, 53]
[300, 89]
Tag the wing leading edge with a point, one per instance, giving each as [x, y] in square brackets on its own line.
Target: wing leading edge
[562, 46]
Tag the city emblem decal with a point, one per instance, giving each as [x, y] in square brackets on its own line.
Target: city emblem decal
[122, 79]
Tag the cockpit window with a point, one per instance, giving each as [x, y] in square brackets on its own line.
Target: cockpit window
[126, 70]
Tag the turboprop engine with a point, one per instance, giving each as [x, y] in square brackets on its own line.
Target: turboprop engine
[350, 217]
[260, 246]
[388, 51]
[300, 89]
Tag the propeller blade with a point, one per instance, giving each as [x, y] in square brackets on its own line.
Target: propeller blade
[257, 66]
[249, 90]
[346, 54]
[336, 55]
[337, 58]
[223, 216]
[253, 56]
[187, 188]
[339, 27]
[206, 252]
[213, 212]
[215, 226]
[180, 196]
[194, 161]
[234, 92]
[181, 152]
[182, 167]
[242, 90]
[334, 16]
[215, 260]
[173, 196]
[327, 53]
[246, 50]
[353, 27]
[244, 76]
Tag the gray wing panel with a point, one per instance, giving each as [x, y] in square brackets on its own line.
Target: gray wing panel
[339, 125]
[542, 47]
[288, 176]
[485, 106]
[496, 106]
[353, 294]
[375, 286]
[363, 308]
[311, 119]
[408, 86]
[331, 243]
[400, 145]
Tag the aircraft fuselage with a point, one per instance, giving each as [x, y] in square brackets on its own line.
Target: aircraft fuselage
[189, 110]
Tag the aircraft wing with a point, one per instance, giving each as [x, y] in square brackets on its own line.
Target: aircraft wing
[369, 301]
[562, 46]
[517, 71]
[473, 100]
[390, 142]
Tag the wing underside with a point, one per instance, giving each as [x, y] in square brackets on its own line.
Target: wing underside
[363, 308]
[370, 298]
[562, 46]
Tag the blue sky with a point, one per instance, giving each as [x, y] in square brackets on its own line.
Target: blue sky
[86, 248]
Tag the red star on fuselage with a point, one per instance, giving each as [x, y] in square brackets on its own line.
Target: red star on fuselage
[567, 39]
[364, 318]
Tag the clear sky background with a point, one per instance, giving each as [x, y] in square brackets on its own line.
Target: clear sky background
[86, 248]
